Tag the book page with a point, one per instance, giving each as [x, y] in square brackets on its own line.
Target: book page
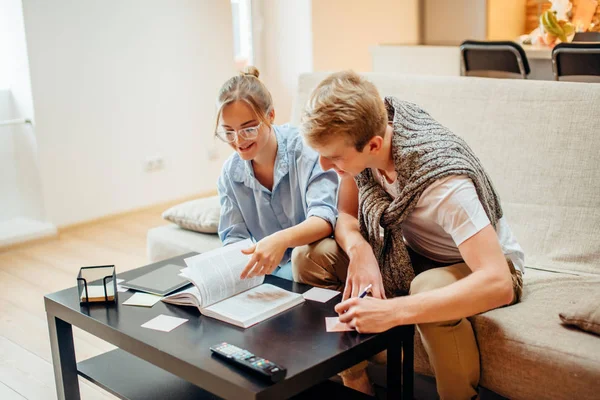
[216, 273]
[187, 297]
[254, 305]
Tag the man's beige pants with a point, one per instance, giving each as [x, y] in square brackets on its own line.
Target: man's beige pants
[451, 345]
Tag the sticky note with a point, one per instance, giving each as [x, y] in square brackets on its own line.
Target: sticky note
[142, 300]
[320, 295]
[164, 323]
[333, 324]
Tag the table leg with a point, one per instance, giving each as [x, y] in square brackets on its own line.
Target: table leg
[408, 376]
[63, 359]
[394, 367]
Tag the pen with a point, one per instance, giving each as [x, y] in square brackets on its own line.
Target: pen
[364, 292]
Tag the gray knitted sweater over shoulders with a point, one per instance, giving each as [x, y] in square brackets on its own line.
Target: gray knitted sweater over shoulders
[423, 151]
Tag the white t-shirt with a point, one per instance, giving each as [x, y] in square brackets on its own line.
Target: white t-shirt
[448, 213]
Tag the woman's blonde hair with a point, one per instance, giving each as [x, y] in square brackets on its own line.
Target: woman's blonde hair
[344, 105]
[248, 88]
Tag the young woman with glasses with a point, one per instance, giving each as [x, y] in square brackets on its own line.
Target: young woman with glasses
[272, 189]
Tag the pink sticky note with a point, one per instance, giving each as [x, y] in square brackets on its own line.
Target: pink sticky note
[333, 324]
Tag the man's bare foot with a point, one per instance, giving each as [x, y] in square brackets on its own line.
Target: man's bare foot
[360, 382]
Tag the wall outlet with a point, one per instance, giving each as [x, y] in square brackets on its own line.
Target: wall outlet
[153, 164]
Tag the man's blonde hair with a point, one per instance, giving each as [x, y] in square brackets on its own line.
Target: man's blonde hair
[344, 105]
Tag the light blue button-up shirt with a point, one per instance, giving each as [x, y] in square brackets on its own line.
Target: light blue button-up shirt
[301, 189]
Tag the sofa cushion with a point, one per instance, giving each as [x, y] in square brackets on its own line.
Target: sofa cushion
[170, 241]
[200, 215]
[526, 352]
[585, 314]
[539, 142]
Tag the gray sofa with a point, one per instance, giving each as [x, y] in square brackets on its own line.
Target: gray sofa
[540, 142]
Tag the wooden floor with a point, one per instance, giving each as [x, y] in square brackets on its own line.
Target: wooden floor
[29, 272]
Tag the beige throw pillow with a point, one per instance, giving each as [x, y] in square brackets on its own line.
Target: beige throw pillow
[585, 315]
[200, 215]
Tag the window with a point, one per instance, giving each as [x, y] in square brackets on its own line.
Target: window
[242, 32]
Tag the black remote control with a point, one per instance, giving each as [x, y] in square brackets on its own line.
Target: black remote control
[243, 358]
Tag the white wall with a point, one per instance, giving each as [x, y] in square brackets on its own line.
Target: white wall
[283, 48]
[20, 187]
[115, 82]
[14, 67]
[9, 185]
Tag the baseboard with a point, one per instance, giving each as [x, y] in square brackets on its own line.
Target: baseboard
[165, 205]
[19, 231]
[55, 234]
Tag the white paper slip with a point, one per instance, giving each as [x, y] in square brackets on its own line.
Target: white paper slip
[119, 287]
[96, 293]
[142, 300]
[320, 295]
[333, 324]
[164, 323]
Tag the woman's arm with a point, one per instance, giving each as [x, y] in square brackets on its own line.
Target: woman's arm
[311, 230]
[267, 254]
[321, 216]
[232, 227]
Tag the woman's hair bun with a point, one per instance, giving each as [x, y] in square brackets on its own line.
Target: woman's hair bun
[251, 70]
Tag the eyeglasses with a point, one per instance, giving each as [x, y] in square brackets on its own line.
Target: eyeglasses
[229, 136]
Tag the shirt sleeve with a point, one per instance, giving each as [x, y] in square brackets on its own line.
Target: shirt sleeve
[459, 210]
[321, 194]
[232, 227]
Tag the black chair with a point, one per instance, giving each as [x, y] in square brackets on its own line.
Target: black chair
[587, 37]
[578, 62]
[493, 59]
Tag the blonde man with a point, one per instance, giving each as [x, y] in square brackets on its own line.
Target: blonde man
[418, 215]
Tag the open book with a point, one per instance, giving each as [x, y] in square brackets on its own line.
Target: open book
[218, 291]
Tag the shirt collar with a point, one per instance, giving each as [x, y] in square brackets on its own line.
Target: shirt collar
[244, 173]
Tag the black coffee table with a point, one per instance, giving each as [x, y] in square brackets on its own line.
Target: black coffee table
[149, 364]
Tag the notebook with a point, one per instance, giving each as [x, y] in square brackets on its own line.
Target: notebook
[161, 281]
[219, 293]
